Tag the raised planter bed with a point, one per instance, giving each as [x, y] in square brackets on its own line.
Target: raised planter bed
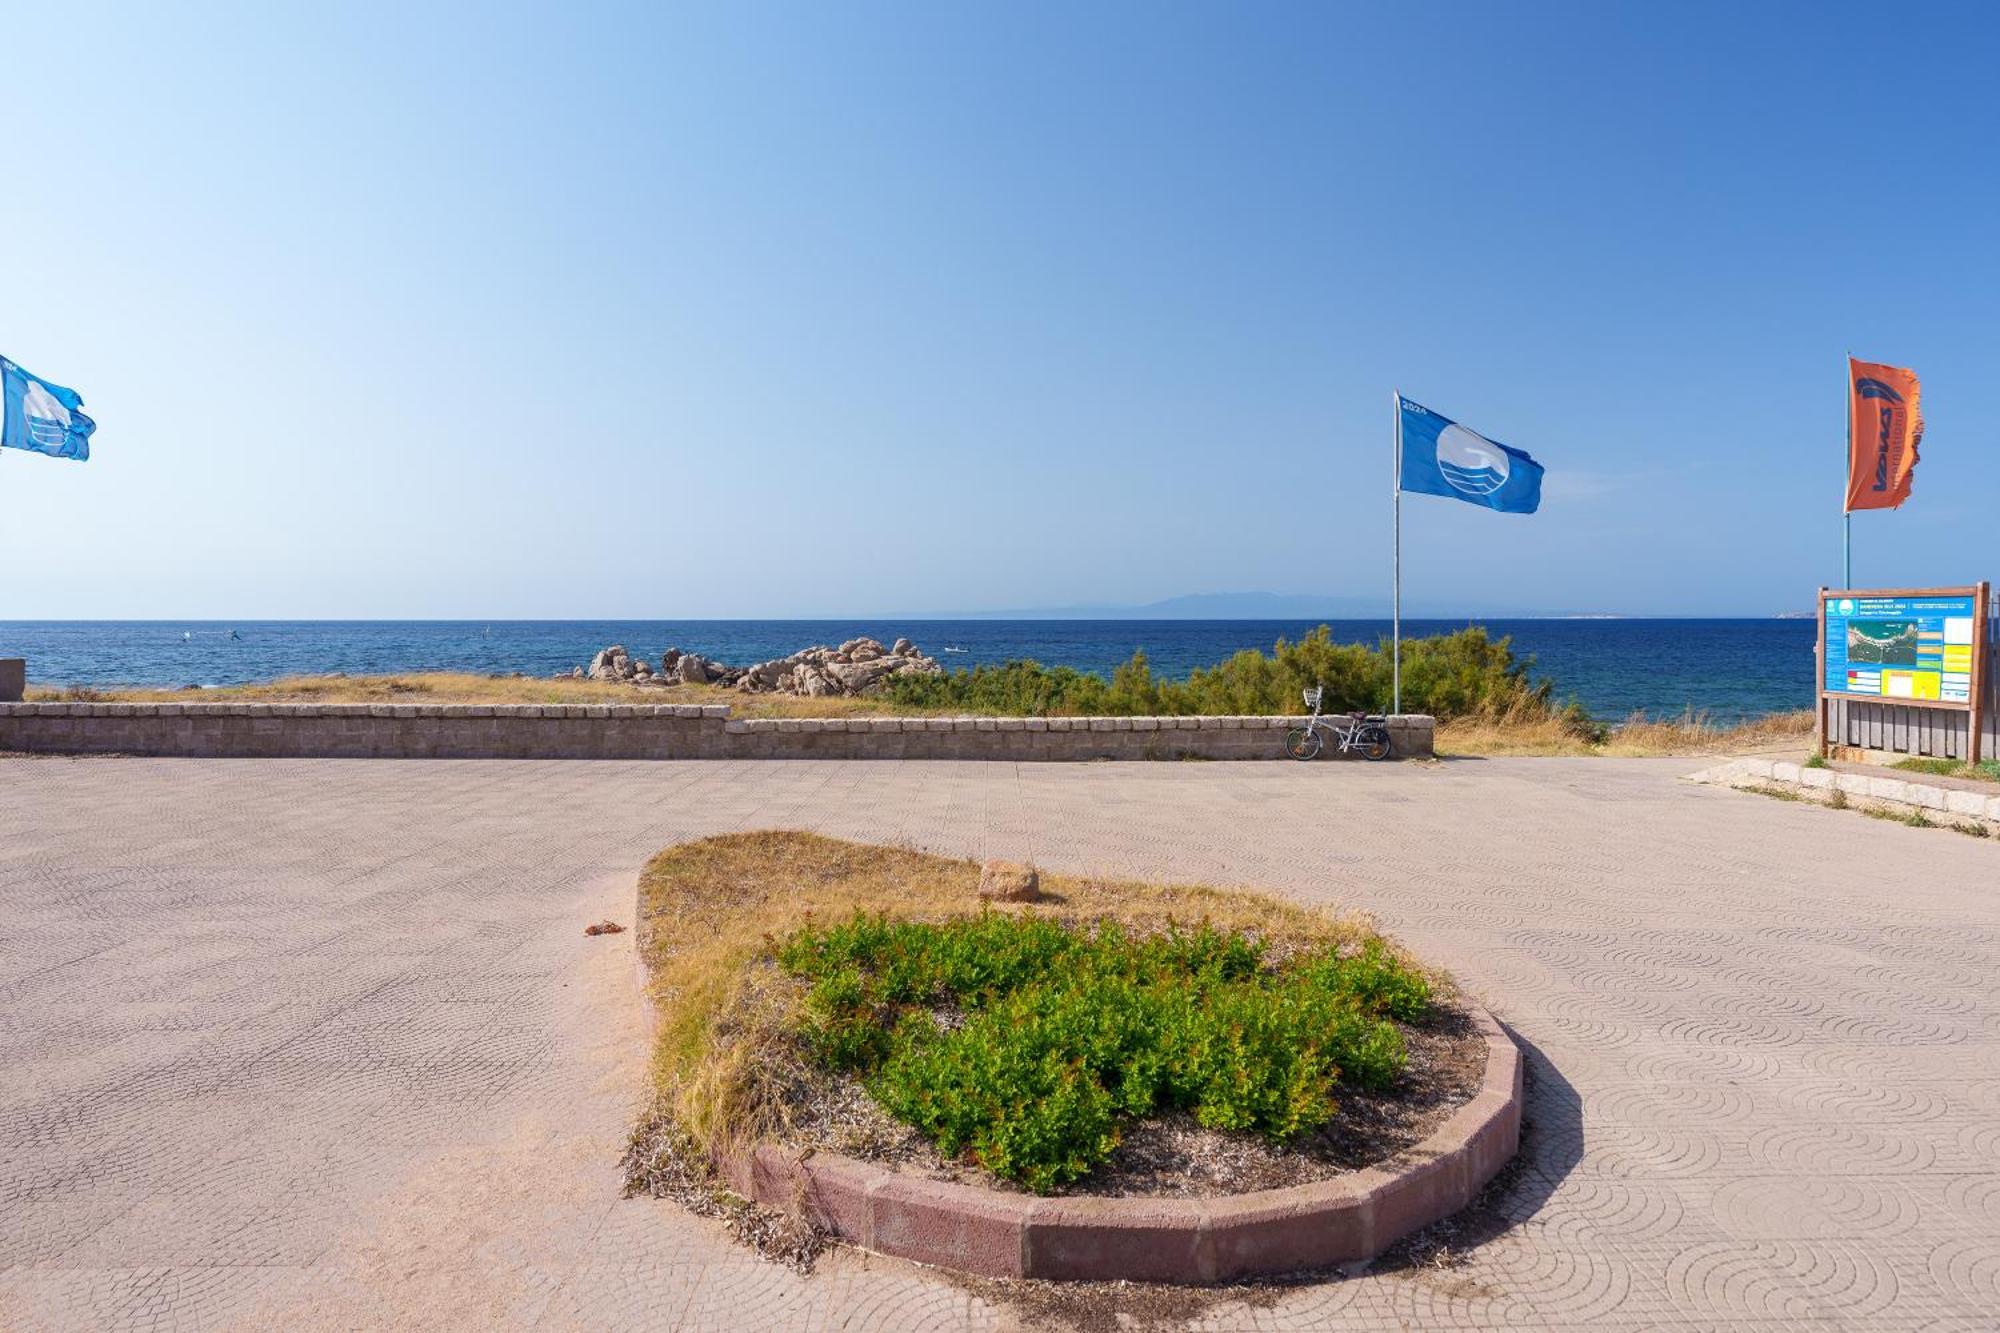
[753, 1008]
[1191, 1241]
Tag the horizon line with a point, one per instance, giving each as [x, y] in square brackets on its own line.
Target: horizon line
[916, 617]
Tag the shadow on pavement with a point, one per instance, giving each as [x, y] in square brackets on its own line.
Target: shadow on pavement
[1551, 1146]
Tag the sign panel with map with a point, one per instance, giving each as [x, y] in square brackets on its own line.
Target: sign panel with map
[1915, 648]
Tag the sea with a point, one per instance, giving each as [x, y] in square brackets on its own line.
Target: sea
[1728, 669]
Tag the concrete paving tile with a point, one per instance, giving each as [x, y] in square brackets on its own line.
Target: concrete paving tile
[313, 1044]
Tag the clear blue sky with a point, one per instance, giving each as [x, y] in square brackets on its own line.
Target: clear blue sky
[755, 310]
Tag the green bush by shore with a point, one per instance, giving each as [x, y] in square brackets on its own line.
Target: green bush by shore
[1463, 674]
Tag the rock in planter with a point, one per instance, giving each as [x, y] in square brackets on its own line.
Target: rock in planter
[1009, 882]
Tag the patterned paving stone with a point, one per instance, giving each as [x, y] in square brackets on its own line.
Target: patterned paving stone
[320, 1044]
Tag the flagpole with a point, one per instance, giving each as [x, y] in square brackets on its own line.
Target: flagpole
[1396, 563]
[1847, 479]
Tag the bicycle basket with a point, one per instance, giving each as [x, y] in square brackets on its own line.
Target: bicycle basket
[1313, 696]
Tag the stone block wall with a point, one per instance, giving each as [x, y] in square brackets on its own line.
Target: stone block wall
[633, 731]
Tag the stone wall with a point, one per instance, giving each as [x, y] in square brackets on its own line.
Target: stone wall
[13, 678]
[633, 731]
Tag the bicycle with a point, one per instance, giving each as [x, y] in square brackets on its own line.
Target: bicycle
[1362, 732]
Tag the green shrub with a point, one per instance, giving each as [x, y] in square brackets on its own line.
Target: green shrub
[1461, 674]
[1062, 1035]
[1377, 981]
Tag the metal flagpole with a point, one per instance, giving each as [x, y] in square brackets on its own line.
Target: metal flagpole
[1847, 479]
[1396, 563]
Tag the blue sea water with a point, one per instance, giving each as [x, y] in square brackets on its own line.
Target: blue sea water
[1730, 669]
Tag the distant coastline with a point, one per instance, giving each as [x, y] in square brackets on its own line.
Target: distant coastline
[1287, 606]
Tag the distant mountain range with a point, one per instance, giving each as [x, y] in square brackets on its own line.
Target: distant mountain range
[1265, 606]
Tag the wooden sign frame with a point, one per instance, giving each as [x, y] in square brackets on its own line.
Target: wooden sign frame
[1980, 593]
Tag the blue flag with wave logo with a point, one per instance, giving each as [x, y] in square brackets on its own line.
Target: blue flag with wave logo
[42, 417]
[1441, 457]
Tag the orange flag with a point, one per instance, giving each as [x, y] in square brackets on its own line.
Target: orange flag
[1884, 426]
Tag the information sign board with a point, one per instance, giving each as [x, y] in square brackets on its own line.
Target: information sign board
[1914, 649]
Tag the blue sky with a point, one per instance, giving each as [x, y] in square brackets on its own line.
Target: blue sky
[761, 310]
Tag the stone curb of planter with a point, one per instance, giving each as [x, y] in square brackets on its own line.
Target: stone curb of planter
[1893, 793]
[1187, 1241]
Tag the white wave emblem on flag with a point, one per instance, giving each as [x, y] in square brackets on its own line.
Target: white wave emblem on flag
[47, 419]
[1471, 462]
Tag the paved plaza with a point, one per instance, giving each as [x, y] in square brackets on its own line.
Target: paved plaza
[321, 1043]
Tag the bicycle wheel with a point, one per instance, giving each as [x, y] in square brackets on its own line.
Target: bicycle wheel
[1303, 743]
[1373, 742]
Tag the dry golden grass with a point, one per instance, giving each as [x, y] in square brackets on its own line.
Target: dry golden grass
[1526, 732]
[1636, 737]
[709, 910]
[450, 687]
[427, 687]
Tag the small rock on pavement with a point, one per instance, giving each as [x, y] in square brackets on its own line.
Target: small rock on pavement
[604, 928]
[1009, 882]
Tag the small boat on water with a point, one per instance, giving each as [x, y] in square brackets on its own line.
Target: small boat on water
[954, 650]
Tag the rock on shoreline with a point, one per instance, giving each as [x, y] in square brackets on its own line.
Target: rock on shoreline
[855, 667]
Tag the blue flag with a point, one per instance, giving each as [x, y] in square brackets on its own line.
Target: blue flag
[1441, 457]
[42, 416]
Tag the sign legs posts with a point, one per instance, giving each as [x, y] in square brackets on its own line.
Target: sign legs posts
[1982, 643]
[1819, 688]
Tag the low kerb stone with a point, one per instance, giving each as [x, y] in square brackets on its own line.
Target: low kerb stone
[1348, 1219]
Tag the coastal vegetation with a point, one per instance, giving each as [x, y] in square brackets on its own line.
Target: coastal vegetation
[460, 687]
[1485, 696]
[1466, 673]
[1986, 770]
[863, 999]
[1637, 737]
